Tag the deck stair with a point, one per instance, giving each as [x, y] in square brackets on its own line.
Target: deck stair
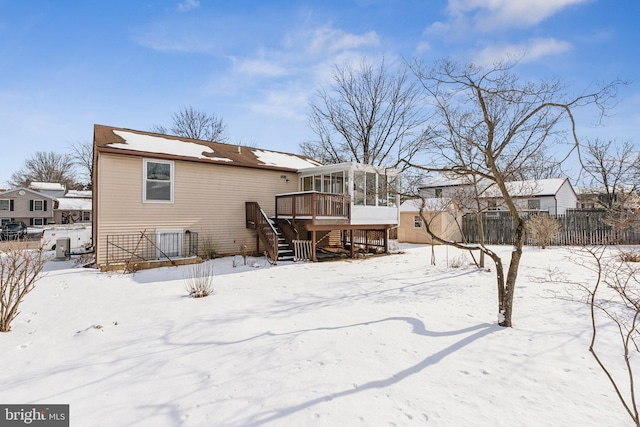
[285, 252]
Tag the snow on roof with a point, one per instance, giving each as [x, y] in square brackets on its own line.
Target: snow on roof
[79, 193]
[74, 204]
[292, 161]
[158, 144]
[46, 186]
[174, 146]
[430, 204]
[447, 180]
[540, 187]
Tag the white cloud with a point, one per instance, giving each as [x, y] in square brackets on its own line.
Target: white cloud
[490, 15]
[529, 51]
[330, 40]
[176, 40]
[288, 102]
[187, 5]
[422, 47]
[260, 67]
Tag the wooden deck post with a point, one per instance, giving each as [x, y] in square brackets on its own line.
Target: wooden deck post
[314, 258]
[386, 240]
[353, 250]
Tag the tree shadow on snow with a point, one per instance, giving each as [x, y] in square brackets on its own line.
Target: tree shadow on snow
[418, 327]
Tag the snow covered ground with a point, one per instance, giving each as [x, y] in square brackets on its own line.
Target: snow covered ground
[385, 341]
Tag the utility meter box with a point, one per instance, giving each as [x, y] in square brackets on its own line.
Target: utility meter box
[63, 249]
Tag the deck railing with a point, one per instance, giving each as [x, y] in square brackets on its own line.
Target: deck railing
[312, 205]
[257, 219]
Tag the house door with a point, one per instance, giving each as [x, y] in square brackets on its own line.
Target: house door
[169, 243]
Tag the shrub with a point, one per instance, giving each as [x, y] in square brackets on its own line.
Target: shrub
[542, 229]
[207, 249]
[199, 280]
[20, 269]
[459, 262]
[630, 256]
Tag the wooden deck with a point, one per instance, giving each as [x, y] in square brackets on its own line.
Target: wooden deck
[315, 207]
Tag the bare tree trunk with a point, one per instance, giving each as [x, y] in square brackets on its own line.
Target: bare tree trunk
[512, 274]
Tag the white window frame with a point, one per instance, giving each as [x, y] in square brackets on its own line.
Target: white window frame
[36, 220]
[35, 208]
[169, 242]
[533, 204]
[417, 221]
[86, 215]
[144, 180]
[8, 201]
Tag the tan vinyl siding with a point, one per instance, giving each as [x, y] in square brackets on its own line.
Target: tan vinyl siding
[208, 199]
[443, 224]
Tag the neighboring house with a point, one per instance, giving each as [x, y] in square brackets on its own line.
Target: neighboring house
[553, 196]
[626, 197]
[75, 207]
[52, 189]
[24, 204]
[166, 190]
[442, 213]
[447, 186]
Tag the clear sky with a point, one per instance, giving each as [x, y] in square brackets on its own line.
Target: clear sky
[66, 65]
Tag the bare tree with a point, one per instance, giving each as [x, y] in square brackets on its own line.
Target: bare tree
[611, 167]
[82, 157]
[540, 166]
[614, 296]
[368, 115]
[20, 269]
[191, 123]
[490, 125]
[612, 171]
[45, 167]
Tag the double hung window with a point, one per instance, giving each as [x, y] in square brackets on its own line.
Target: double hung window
[158, 181]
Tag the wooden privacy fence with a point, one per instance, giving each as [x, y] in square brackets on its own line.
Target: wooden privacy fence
[580, 227]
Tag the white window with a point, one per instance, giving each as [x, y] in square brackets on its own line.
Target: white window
[533, 204]
[158, 181]
[417, 221]
[5, 205]
[169, 243]
[38, 205]
[86, 215]
[38, 221]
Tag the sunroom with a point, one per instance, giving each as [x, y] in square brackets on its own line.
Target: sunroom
[348, 205]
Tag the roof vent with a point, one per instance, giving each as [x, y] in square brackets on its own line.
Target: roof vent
[239, 149]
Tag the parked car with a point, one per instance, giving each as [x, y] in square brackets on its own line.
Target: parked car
[14, 230]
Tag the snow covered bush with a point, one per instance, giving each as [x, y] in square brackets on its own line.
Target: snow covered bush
[199, 280]
[20, 269]
[542, 229]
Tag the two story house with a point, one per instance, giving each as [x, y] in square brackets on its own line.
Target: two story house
[553, 196]
[157, 196]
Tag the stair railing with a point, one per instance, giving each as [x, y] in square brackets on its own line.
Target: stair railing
[257, 219]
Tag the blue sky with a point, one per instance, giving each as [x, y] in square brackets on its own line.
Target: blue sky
[66, 65]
